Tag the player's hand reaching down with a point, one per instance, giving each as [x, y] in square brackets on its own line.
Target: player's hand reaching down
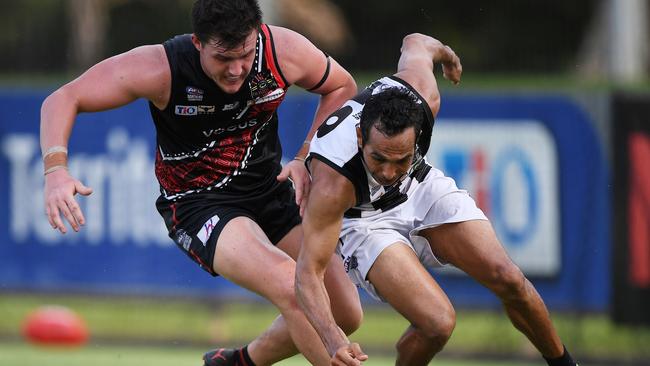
[60, 189]
[296, 171]
[349, 355]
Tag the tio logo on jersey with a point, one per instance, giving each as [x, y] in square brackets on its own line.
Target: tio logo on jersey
[186, 110]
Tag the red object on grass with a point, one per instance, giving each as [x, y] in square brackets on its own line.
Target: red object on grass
[55, 325]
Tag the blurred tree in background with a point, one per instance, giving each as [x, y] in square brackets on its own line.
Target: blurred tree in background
[491, 36]
[135, 23]
[33, 36]
[501, 37]
[53, 36]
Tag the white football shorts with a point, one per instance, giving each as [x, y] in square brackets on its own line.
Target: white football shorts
[433, 202]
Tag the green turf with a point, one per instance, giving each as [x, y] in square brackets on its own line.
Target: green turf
[26, 355]
[205, 324]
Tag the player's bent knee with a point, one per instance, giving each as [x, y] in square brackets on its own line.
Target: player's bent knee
[508, 282]
[439, 326]
[350, 318]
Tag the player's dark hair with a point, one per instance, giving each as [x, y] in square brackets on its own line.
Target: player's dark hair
[391, 111]
[228, 21]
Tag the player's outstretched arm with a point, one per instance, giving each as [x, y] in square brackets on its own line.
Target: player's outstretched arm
[304, 65]
[419, 55]
[331, 195]
[141, 72]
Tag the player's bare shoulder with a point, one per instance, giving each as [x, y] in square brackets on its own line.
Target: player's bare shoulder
[142, 72]
[286, 42]
[301, 62]
[150, 68]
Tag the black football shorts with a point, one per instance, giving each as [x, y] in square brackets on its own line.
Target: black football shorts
[195, 222]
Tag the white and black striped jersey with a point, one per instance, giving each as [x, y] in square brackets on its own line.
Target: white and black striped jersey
[336, 145]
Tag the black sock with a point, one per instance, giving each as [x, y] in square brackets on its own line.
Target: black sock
[564, 360]
[242, 358]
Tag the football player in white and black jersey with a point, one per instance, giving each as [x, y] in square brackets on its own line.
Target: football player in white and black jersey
[377, 203]
[224, 196]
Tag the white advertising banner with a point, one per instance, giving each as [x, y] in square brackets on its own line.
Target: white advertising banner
[510, 168]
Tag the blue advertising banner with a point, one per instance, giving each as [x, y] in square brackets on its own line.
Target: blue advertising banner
[547, 192]
[534, 165]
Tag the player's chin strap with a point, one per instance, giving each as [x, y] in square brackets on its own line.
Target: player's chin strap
[418, 158]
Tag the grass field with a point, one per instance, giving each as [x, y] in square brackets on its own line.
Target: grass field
[173, 331]
[24, 355]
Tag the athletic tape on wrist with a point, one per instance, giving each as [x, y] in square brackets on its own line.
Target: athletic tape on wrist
[55, 159]
[55, 168]
[55, 149]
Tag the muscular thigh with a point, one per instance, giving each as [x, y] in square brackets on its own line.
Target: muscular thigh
[245, 256]
[400, 279]
[472, 246]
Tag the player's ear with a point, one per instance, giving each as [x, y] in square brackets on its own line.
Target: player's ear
[196, 42]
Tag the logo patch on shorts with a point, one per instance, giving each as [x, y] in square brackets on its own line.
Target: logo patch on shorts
[183, 239]
[206, 229]
[350, 263]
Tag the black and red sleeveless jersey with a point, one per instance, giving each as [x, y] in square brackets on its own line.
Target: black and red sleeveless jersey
[209, 140]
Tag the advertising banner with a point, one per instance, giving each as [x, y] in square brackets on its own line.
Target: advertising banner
[536, 167]
[510, 167]
[533, 164]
